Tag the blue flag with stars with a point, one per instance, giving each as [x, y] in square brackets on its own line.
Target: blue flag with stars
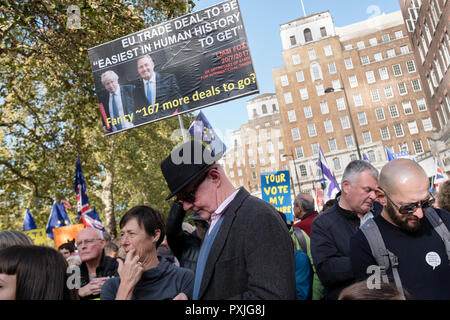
[28, 222]
[202, 130]
[58, 218]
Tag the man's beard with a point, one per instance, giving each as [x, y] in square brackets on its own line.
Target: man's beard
[397, 219]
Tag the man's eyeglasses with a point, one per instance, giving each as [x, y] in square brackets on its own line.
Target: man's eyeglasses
[189, 196]
[411, 207]
[87, 242]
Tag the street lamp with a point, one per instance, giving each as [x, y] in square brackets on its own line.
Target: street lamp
[328, 90]
[296, 174]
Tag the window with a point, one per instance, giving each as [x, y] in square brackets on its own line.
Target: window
[327, 50]
[332, 67]
[421, 104]
[388, 92]
[402, 90]
[303, 172]
[291, 116]
[348, 47]
[252, 163]
[398, 129]
[349, 141]
[407, 107]
[250, 152]
[418, 148]
[315, 148]
[337, 164]
[379, 112]
[299, 152]
[397, 70]
[378, 56]
[295, 134]
[308, 112]
[390, 53]
[274, 108]
[264, 109]
[312, 130]
[345, 123]
[287, 97]
[373, 41]
[416, 85]
[385, 135]
[412, 126]
[360, 45]
[280, 145]
[371, 156]
[353, 81]
[367, 138]
[370, 76]
[320, 90]
[324, 107]
[254, 175]
[323, 32]
[427, 125]
[300, 76]
[384, 75]
[308, 35]
[404, 49]
[336, 84]
[385, 37]
[348, 63]
[293, 41]
[262, 161]
[398, 34]
[328, 124]
[362, 118]
[340, 104]
[375, 95]
[353, 157]
[296, 59]
[231, 174]
[304, 94]
[240, 173]
[316, 71]
[284, 81]
[393, 111]
[365, 60]
[410, 66]
[332, 144]
[312, 54]
[357, 99]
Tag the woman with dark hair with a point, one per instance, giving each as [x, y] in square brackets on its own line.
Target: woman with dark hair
[143, 275]
[33, 273]
[10, 238]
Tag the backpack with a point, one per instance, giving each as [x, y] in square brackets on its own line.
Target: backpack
[304, 246]
[386, 258]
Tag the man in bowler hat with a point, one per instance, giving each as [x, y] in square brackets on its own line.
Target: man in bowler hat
[247, 252]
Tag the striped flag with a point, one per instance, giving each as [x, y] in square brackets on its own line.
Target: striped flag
[89, 217]
[438, 177]
[327, 177]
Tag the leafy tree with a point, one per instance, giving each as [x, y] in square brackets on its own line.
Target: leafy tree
[48, 112]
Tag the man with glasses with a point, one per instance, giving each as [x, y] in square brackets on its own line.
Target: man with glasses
[247, 252]
[423, 265]
[95, 266]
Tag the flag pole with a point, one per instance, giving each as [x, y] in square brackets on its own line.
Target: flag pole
[180, 121]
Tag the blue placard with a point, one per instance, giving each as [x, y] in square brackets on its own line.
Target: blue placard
[276, 190]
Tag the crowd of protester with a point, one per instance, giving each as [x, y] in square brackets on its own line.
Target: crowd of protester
[236, 246]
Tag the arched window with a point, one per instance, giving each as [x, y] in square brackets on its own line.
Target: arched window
[308, 35]
[316, 71]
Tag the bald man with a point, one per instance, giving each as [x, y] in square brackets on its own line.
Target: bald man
[423, 265]
[95, 266]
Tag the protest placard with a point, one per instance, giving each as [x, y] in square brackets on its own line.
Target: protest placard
[181, 65]
[68, 233]
[276, 190]
[38, 236]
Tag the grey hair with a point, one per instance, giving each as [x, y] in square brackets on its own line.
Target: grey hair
[355, 167]
[109, 75]
[10, 238]
[301, 201]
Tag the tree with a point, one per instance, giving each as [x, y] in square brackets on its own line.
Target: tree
[48, 112]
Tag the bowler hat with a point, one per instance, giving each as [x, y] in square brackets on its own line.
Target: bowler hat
[185, 163]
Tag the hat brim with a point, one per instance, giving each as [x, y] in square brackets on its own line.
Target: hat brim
[184, 184]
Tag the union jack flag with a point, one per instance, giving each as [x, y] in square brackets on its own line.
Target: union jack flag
[89, 217]
[439, 176]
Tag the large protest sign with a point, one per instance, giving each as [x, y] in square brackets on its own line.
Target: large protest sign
[190, 62]
[38, 236]
[276, 190]
[68, 233]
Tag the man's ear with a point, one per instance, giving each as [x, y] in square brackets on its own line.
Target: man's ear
[346, 185]
[381, 197]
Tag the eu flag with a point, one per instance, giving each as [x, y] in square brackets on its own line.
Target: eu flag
[28, 222]
[389, 155]
[58, 218]
[202, 130]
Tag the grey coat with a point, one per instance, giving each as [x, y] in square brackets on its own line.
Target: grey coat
[252, 256]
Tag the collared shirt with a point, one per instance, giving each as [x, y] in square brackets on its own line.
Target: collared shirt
[125, 124]
[152, 87]
[220, 210]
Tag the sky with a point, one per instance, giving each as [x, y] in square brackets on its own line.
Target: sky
[262, 20]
